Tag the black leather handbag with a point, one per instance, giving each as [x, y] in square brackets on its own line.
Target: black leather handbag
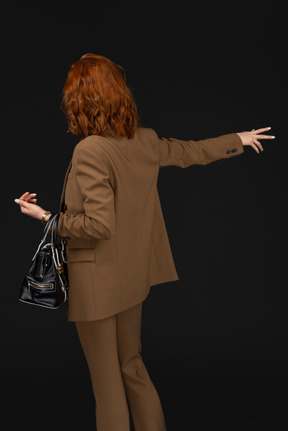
[46, 283]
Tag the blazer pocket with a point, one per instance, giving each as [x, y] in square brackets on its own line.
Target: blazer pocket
[80, 255]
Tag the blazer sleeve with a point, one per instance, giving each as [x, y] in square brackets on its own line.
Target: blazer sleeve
[93, 178]
[176, 152]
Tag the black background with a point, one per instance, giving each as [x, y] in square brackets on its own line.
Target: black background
[214, 342]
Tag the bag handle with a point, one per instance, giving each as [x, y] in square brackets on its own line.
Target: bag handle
[58, 255]
[54, 228]
[45, 233]
[54, 243]
[47, 227]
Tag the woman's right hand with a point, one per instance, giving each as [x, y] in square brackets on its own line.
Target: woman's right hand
[27, 203]
[251, 138]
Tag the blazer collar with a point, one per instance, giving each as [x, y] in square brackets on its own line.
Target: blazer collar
[109, 132]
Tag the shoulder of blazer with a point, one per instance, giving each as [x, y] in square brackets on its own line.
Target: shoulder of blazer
[90, 141]
[150, 140]
[147, 133]
[93, 143]
[97, 143]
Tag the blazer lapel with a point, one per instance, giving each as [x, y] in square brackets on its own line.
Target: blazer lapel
[64, 188]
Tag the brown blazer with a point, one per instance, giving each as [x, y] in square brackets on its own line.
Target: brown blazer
[110, 212]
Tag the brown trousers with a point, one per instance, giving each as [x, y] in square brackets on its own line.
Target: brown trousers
[112, 348]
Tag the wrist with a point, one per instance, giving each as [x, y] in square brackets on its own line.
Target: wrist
[45, 217]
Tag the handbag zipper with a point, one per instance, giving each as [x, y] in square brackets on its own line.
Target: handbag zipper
[37, 285]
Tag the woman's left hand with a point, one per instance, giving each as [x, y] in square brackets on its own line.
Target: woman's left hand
[28, 206]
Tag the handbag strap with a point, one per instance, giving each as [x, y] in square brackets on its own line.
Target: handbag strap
[45, 232]
[54, 229]
[47, 227]
[57, 253]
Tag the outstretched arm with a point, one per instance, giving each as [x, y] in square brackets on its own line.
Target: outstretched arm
[176, 152]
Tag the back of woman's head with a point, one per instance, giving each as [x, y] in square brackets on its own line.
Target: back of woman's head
[96, 96]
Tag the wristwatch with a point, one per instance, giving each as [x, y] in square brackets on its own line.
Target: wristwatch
[43, 221]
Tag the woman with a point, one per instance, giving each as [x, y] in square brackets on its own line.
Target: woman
[117, 244]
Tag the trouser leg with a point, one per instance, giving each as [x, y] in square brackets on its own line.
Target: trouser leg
[144, 402]
[99, 342]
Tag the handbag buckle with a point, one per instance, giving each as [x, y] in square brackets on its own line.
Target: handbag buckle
[60, 268]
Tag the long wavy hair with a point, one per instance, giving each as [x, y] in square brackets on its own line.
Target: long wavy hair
[96, 96]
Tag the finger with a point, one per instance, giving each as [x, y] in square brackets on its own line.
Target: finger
[264, 129]
[24, 195]
[22, 203]
[30, 196]
[27, 194]
[30, 201]
[24, 206]
[258, 144]
[264, 137]
[255, 147]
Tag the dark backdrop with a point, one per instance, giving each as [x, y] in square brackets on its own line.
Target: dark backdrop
[214, 342]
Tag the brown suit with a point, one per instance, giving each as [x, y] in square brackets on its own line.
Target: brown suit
[110, 210]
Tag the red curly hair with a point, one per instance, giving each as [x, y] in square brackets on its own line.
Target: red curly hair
[96, 96]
